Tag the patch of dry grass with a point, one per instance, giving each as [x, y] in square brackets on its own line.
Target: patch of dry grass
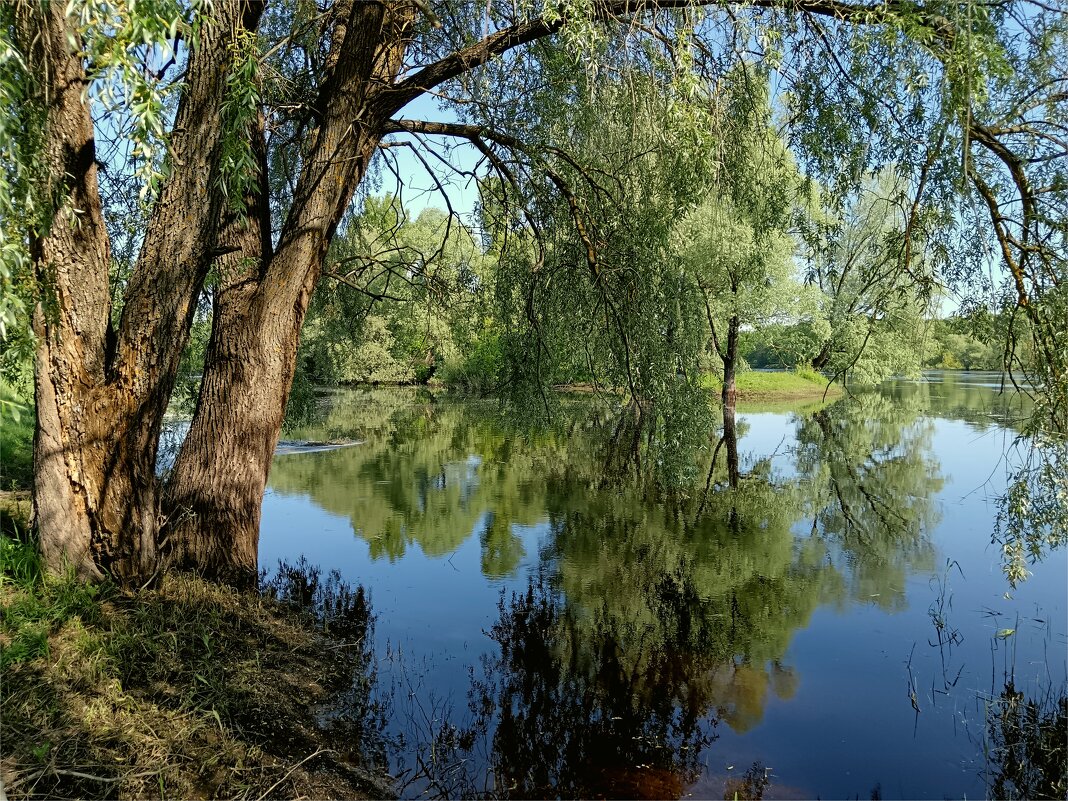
[188, 690]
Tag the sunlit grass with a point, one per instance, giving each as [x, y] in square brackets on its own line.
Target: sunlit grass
[786, 385]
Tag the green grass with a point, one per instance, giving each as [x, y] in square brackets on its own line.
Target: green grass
[34, 607]
[760, 386]
[16, 439]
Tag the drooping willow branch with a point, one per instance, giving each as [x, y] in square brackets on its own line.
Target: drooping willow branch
[479, 136]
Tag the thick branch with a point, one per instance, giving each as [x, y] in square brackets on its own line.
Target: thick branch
[501, 42]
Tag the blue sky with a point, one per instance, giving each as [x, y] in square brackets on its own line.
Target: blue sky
[420, 190]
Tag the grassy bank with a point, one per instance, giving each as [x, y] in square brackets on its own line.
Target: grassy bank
[187, 690]
[16, 439]
[797, 384]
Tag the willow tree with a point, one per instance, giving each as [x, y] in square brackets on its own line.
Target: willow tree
[736, 245]
[397, 288]
[875, 258]
[274, 123]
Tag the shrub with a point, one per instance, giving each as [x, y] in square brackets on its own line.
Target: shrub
[479, 370]
[809, 374]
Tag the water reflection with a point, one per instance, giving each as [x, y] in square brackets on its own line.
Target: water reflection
[1026, 743]
[427, 474]
[585, 708]
[435, 473]
[983, 399]
[868, 465]
[656, 615]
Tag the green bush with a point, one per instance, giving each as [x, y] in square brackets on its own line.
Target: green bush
[19, 562]
[809, 374]
[479, 370]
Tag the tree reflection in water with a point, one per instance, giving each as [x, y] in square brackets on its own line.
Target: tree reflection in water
[659, 610]
[1026, 744]
[578, 714]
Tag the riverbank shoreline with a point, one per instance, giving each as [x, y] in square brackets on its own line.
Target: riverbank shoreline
[187, 689]
[754, 386]
[759, 385]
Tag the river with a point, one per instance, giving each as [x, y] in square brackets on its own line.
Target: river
[551, 622]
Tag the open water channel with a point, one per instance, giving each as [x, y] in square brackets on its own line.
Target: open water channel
[550, 624]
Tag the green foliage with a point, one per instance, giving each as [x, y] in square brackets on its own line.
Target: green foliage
[237, 163]
[190, 370]
[302, 402]
[976, 339]
[20, 127]
[585, 273]
[874, 268]
[807, 373]
[406, 296]
[1032, 518]
[949, 351]
[479, 367]
[117, 39]
[788, 345]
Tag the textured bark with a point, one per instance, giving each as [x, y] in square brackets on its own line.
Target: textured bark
[215, 491]
[101, 393]
[820, 360]
[730, 365]
[730, 438]
[71, 321]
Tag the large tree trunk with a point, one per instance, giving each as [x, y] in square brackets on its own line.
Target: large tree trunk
[71, 321]
[215, 491]
[101, 393]
[207, 491]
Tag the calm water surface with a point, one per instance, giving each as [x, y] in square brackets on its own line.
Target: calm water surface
[549, 625]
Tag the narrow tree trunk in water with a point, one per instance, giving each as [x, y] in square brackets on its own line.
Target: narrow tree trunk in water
[215, 491]
[101, 392]
[730, 401]
[730, 365]
[730, 438]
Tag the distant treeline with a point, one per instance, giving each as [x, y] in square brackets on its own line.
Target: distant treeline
[958, 342]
